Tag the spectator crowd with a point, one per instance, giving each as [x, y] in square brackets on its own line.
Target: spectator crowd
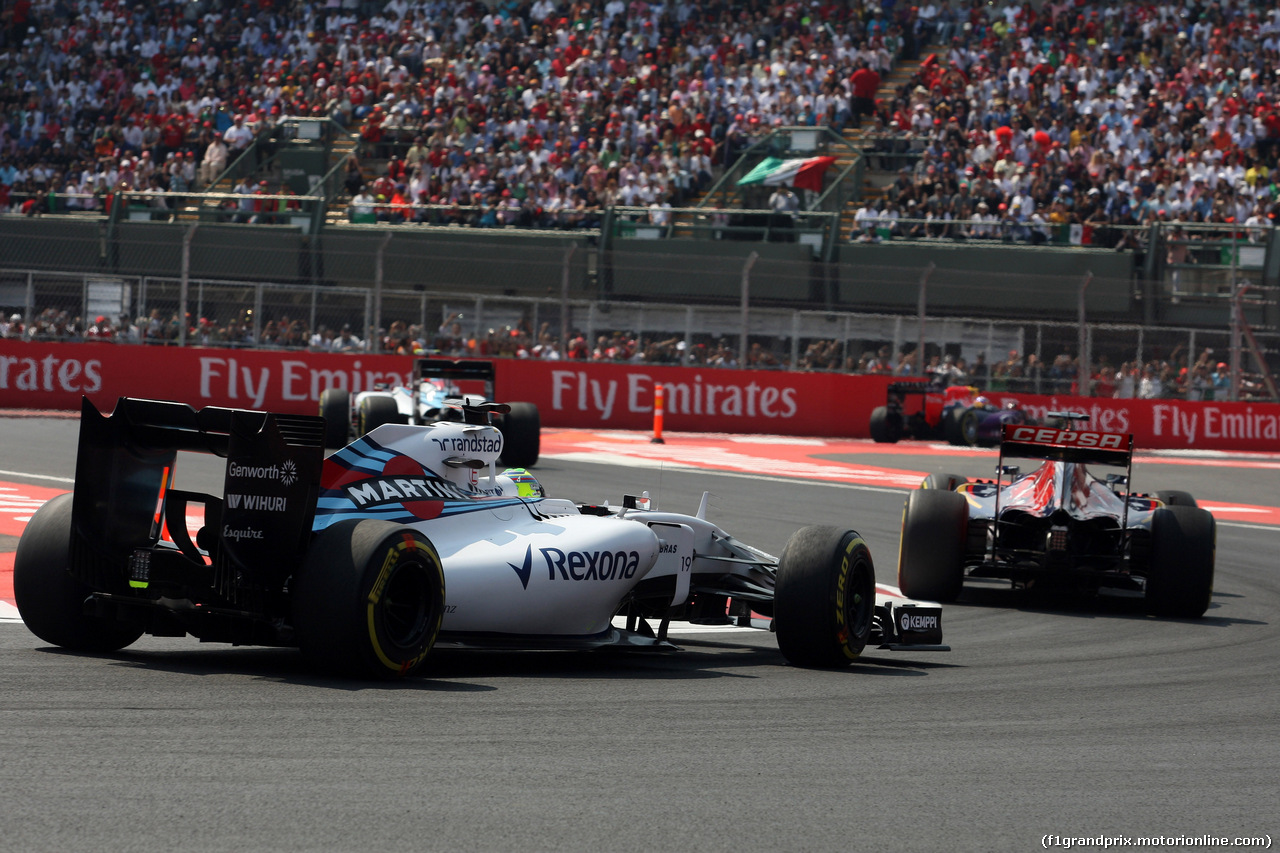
[1092, 113]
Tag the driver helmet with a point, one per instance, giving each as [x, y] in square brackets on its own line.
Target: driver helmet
[526, 485]
[981, 402]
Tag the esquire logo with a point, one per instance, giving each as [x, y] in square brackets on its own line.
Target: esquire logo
[262, 503]
[377, 491]
[286, 472]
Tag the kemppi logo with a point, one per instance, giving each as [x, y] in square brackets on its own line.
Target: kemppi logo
[917, 622]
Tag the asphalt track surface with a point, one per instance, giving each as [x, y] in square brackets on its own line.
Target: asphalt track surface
[1079, 718]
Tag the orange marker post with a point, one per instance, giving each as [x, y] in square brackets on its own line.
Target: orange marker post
[658, 394]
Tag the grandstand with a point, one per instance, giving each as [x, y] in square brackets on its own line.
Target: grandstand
[1130, 128]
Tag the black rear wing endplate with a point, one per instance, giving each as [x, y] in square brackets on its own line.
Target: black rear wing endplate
[124, 497]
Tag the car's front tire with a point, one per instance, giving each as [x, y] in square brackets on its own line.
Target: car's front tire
[931, 552]
[49, 599]
[886, 426]
[369, 600]
[375, 411]
[335, 408]
[825, 598]
[1180, 576]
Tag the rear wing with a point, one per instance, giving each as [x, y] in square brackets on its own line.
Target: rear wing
[124, 502]
[1067, 445]
[455, 371]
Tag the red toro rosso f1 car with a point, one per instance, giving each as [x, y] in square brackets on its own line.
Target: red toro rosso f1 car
[408, 536]
[1059, 525]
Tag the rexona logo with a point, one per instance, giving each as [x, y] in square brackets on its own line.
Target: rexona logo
[264, 503]
[590, 565]
[580, 565]
[917, 622]
[286, 472]
[377, 491]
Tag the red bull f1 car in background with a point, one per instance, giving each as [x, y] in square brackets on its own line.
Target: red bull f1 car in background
[1059, 525]
[957, 414]
[432, 394]
[408, 538]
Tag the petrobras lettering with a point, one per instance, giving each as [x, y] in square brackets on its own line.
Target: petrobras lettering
[238, 533]
[50, 373]
[665, 547]
[257, 503]
[480, 442]
[590, 565]
[377, 491]
[917, 621]
[574, 390]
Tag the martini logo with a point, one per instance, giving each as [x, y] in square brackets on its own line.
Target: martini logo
[379, 491]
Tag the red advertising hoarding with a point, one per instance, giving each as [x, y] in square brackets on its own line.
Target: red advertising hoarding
[573, 394]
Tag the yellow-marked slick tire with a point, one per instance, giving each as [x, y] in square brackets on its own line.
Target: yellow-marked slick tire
[825, 597]
[49, 599]
[375, 411]
[931, 551]
[369, 599]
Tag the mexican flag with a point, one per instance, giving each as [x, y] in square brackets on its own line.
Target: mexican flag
[804, 173]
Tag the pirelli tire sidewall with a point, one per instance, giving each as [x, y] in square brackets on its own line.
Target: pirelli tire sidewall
[369, 601]
[825, 597]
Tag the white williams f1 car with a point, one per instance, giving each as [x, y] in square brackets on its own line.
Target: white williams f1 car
[433, 394]
[409, 537]
[1060, 526]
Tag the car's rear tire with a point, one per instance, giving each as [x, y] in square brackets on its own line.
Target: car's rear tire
[1180, 577]
[521, 436]
[335, 408]
[931, 551]
[886, 426]
[970, 421]
[49, 599]
[943, 482]
[369, 599]
[951, 424]
[1172, 497]
[825, 598]
[376, 411]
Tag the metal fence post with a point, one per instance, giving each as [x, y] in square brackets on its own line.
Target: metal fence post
[185, 282]
[564, 296]
[921, 304]
[375, 342]
[746, 310]
[1084, 374]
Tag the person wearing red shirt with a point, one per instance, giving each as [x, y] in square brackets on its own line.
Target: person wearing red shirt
[865, 82]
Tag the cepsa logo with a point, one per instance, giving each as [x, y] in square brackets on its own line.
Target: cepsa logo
[1047, 435]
